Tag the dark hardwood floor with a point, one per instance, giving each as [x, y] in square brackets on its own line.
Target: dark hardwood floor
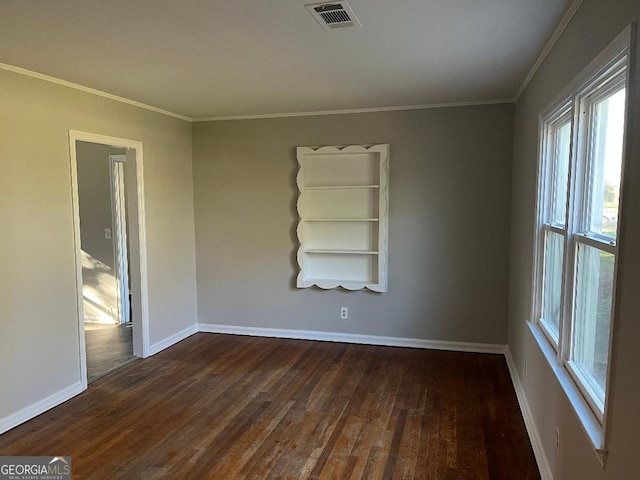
[108, 347]
[231, 407]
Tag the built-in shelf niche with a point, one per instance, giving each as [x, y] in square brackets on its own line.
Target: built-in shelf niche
[343, 211]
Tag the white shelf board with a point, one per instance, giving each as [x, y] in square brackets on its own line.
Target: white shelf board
[353, 283]
[340, 187]
[341, 251]
[340, 219]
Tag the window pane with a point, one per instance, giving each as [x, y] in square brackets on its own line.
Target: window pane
[561, 149]
[552, 278]
[606, 157]
[592, 316]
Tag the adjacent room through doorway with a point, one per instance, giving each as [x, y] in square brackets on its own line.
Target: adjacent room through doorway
[105, 257]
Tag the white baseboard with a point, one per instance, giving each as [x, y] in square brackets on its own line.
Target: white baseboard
[532, 430]
[173, 339]
[534, 436]
[27, 413]
[353, 338]
[41, 406]
[31, 411]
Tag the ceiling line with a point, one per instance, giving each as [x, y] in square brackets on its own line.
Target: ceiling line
[93, 91]
[564, 22]
[356, 110]
[47, 78]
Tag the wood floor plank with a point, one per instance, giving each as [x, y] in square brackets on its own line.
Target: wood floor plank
[107, 347]
[229, 407]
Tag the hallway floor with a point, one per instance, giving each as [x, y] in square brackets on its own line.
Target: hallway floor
[108, 347]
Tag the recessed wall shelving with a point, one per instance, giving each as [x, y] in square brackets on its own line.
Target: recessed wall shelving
[343, 210]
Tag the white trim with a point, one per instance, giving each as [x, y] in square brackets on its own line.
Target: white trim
[75, 208]
[52, 401]
[596, 242]
[82, 88]
[93, 91]
[120, 240]
[35, 409]
[357, 110]
[58, 398]
[532, 430]
[529, 421]
[588, 420]
[564, 22]
[606, 65]
[173, 339]
[353, 338]
[607, 59]
[75, 136]
[379, 162]
[142, 251]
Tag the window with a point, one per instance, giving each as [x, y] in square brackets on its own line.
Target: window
[579, 198]
[553, 234]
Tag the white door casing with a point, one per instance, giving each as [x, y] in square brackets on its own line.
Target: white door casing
[139, 284]
[119, 213]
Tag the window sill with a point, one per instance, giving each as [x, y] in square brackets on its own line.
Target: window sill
[588, 420]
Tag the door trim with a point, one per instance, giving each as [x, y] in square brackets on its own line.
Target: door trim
[120, 240]
[141, 325]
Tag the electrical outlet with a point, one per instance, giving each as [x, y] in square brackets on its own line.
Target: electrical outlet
[557, 441]
[344, 313]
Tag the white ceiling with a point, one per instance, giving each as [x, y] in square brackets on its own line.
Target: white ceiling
[219, 58]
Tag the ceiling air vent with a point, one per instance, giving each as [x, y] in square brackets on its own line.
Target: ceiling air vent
[333, 15]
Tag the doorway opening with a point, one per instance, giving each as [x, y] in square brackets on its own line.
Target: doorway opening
[110, 252]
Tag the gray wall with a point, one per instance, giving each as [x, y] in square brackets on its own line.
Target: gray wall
[94, 203]
[448, 224]
[94, 199]
[39, 353]
[596, 23]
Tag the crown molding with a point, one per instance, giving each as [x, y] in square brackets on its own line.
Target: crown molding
[564, 22]
[355, 110]
[93, 91]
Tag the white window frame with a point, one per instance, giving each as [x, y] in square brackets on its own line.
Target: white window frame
[574, 102]
[561, 113]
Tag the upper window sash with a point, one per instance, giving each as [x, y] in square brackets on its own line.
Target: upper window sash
[557, 144]
[586, 214]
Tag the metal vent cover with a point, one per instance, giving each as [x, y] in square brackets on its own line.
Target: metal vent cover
[332, 15]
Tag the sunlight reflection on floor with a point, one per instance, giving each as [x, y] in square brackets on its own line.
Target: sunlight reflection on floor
[99, 291]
